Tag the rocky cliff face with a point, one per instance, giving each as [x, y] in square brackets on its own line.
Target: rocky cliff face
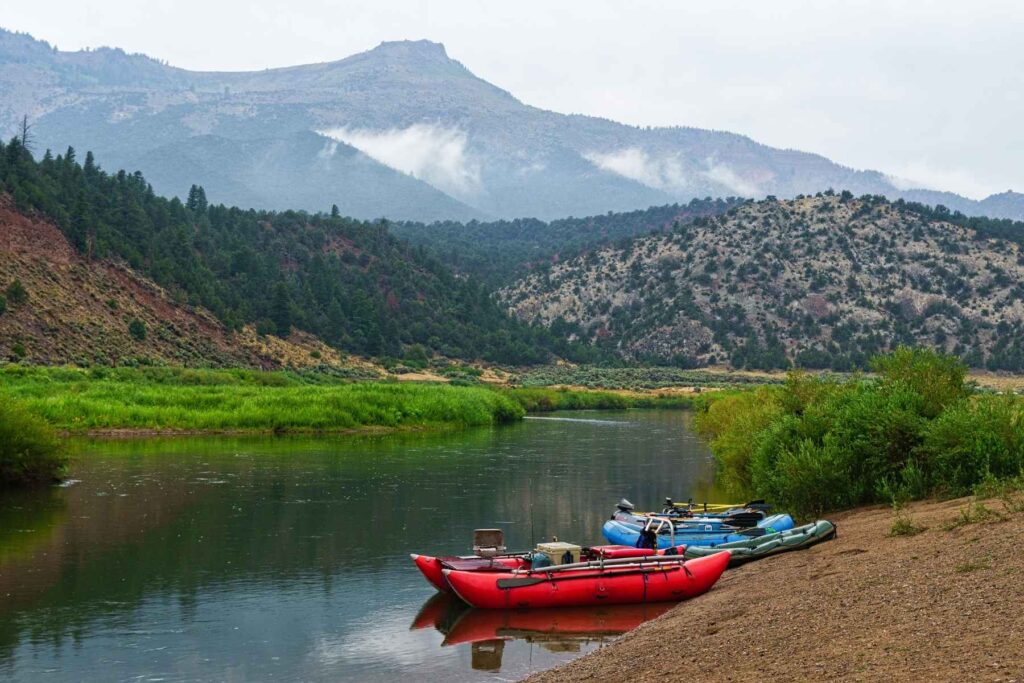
[823, 281]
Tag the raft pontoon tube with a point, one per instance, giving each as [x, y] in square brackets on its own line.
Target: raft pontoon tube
[671, 534]
[755, 548]
[641, 580]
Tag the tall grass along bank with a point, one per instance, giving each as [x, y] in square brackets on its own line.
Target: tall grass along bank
[30, 453]
[157, 399]
[816, 444]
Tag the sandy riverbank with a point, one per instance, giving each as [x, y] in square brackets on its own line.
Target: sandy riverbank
[943, 605]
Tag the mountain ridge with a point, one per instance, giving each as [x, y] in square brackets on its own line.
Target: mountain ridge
[412, 110]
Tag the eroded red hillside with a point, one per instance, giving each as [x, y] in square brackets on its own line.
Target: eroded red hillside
[79, 312]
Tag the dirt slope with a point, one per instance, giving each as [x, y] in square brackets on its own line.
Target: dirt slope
[79, 312]
[944, 605]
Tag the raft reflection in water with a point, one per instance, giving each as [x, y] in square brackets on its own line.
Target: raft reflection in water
[559, 629]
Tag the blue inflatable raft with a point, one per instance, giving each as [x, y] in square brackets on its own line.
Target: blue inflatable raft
[691, 534]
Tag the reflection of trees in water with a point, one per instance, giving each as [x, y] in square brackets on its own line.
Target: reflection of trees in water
[178, 516]
[27, 519]
[28, 522]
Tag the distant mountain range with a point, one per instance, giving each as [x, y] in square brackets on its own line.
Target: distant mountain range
[401, 131]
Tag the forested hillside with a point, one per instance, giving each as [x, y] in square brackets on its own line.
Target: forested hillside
[498, 252]
[351, 283]
[823, 281]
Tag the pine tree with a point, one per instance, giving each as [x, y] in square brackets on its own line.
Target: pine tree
[281, 310]
[197, 199]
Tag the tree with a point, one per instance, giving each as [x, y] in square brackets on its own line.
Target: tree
[281, 310]
[25, 134]
[197, 199]
[137, 329]
[335, 213]
[16, 293]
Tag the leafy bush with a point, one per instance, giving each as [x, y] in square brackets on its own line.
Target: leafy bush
[3, 304]
[728, 421]
[16, 293]
[817, 444]
[137, 329]
[938, 378]
[974, 440]
[30, 453]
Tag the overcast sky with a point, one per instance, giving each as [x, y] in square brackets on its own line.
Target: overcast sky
[932, 92]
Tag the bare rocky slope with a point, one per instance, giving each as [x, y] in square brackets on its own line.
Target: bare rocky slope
[81, 311]
[825, 281]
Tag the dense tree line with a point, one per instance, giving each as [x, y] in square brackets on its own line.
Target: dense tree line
[500, 251]
[352, 283]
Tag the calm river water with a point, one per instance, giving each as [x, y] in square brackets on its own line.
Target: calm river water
[287, 559]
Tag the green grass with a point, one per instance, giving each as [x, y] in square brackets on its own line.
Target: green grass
[974, 566]
[242, 400]
[975, 512]
[904, 525]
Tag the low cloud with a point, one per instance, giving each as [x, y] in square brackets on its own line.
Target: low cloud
[664, 173]
[432, 153]
[723, 175]
[667, 171]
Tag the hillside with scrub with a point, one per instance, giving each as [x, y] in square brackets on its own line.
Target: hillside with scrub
[821, 282]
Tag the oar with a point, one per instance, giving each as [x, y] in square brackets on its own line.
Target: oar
[534, 580]
[597, 564]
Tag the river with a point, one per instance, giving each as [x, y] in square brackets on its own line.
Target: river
[287, 559]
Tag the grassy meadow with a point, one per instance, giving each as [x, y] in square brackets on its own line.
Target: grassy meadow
[157, 399]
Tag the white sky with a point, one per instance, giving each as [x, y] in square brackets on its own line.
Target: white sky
[931, 91]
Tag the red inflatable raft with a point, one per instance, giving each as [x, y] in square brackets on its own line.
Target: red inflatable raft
[646, 580]
[433, 568]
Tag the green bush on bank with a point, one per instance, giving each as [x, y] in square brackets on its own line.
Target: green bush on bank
[30, 453]
[816, 444]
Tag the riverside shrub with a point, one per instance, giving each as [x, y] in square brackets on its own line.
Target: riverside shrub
[817, 444]
[30, 453]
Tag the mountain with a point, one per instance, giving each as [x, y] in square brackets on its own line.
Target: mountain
[402, 131]
[294, 275]
[823, 281]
